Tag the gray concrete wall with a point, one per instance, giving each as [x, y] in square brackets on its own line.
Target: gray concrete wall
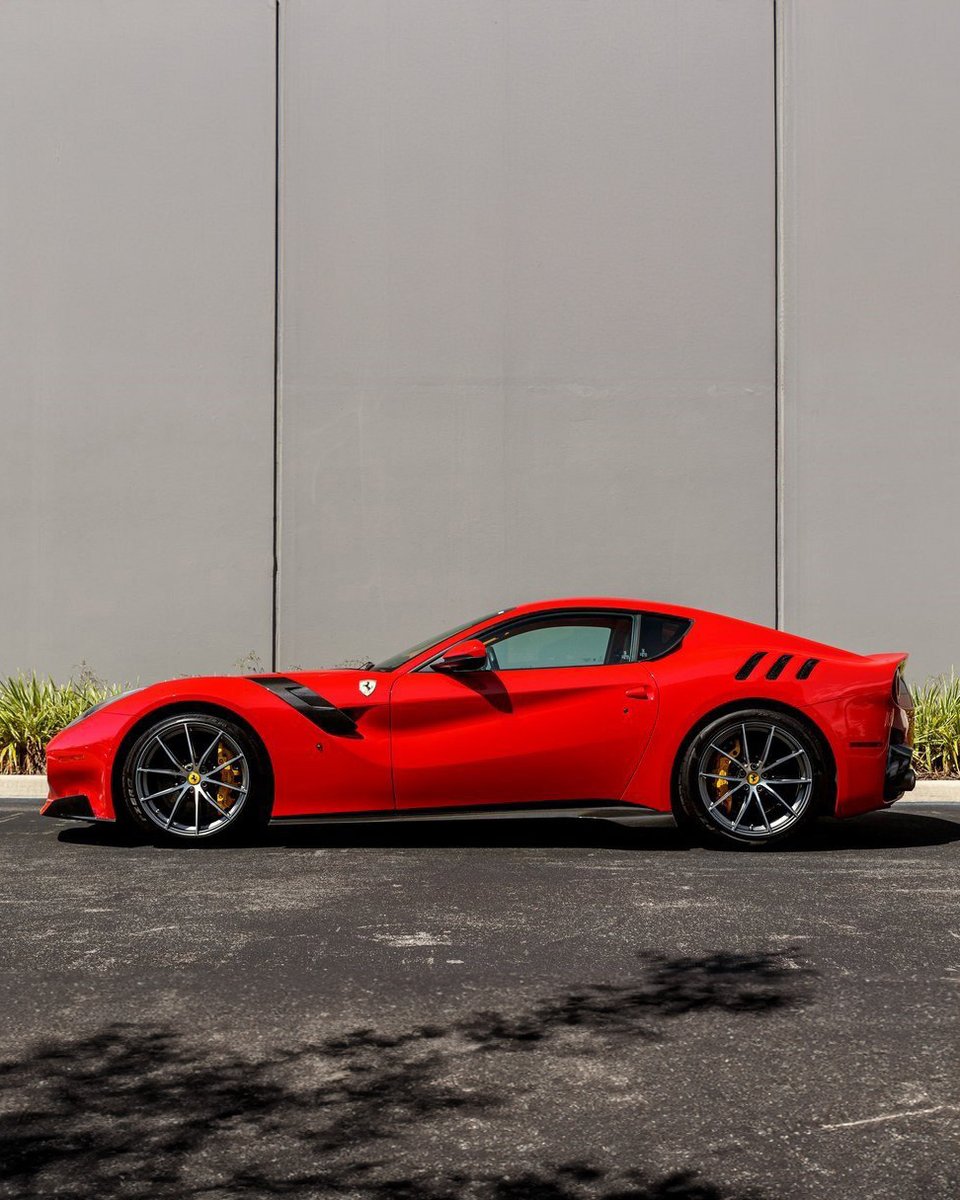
[872, 325]
[527, 320]
[528, 311]
[136, 334]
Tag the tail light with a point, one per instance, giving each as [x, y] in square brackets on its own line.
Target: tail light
[903, 700]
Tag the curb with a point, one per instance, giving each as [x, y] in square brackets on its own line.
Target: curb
[927, 791]
[23, 787]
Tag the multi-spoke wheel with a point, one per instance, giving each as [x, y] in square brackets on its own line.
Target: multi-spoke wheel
[192, 776]
[751, 777]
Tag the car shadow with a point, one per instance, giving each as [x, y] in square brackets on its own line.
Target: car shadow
[887, 830]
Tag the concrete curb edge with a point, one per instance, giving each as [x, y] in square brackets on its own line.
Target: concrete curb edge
[34, 787]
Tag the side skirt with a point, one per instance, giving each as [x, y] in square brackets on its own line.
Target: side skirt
[624, 814]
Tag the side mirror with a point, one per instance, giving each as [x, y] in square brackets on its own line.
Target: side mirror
[470, 655]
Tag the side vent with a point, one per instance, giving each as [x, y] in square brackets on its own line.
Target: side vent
[777, 669]
[747, 669]
[807, 668]
[310, 704]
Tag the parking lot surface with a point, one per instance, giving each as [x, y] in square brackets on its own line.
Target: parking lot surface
[546, 1010]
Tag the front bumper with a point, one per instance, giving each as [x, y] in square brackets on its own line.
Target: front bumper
[70, 808]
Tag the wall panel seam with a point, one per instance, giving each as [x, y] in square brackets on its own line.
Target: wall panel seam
[275, 576]
[779, 310]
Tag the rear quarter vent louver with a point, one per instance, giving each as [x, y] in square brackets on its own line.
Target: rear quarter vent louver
[750, 665]
[807, 668]
[777, 669]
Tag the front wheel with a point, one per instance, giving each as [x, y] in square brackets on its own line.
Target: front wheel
[751, 778]
[194, 777]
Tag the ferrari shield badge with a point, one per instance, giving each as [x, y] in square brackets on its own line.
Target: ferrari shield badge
[368, 686]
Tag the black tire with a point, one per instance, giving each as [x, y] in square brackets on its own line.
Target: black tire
[195, 778]
[726, 798]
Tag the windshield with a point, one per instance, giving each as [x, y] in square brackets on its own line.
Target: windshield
[397, 660]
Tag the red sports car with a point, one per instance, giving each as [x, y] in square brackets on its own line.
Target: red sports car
[588, 707]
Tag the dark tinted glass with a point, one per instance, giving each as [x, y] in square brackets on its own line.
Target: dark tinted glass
[660, 634]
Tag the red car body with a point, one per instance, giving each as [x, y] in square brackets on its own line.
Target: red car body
[420, 740]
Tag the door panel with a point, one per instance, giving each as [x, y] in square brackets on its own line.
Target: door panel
[519, 736]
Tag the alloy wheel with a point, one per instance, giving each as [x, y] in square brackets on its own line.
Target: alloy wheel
[755, 779]
[191, 778]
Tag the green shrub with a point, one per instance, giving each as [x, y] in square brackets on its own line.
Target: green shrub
[33, 710]
[937, 726]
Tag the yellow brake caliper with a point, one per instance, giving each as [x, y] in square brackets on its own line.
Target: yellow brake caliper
[723, 771]
[226, 797]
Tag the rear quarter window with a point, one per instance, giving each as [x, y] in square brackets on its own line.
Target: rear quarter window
[661, 634]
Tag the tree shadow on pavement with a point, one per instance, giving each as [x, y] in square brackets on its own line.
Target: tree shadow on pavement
[132, 1111]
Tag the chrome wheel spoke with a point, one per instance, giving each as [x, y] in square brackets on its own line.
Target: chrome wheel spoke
[232, 786]
[220, 766]
[786, 758]
[727, 754]
[744, 750]
[165, 792]
[766, 749]
[762, 811]
[727, 794]
[776, 795]
[743, 811]
[221, 812]
[173, 811]
[159, 771]
[206, 754]
[168, 752]
[186, 730]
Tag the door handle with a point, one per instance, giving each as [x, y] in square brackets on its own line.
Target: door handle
[643, 692]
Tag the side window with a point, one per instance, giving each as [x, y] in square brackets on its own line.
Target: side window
[562, 641]
[660, 634]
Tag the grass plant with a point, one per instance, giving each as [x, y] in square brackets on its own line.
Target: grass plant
[937, 727]
[33, 709]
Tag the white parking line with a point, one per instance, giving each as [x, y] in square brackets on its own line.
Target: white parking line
[909, 1112]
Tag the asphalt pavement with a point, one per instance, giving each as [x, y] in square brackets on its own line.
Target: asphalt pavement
[543, 1010]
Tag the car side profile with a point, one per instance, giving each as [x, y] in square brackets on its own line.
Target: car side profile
[590, 706]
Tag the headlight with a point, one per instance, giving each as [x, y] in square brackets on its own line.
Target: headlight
[103, 704]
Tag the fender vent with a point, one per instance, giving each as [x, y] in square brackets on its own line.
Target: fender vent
[310, 704]
[748, 667]
[777, 669]
[807, 668]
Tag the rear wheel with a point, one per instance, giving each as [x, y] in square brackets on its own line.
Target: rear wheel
[194, 777]
[753, 777]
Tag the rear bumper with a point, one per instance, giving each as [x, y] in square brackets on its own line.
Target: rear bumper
[900, 776]
[870, 726]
